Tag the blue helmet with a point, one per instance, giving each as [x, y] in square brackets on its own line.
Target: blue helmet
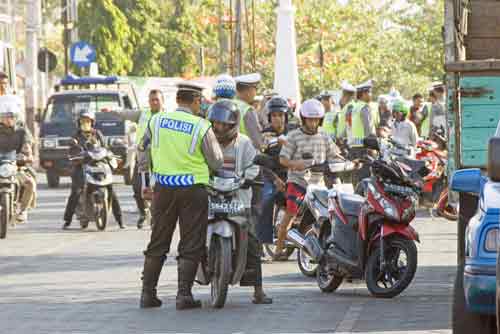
[225, 87]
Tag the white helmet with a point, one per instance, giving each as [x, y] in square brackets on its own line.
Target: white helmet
[10, 106]
[312, 108]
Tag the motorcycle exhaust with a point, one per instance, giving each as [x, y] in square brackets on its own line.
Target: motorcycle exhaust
[310, 244]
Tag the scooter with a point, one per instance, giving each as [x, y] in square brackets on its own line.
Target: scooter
[227, 236]
[370, 237]
[95, 200]
[9, 189]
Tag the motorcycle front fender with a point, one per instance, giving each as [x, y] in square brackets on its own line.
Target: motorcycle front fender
[406, 231]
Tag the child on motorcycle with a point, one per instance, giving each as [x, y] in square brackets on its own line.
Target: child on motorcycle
[306, 140]
[277, 109]
[239, 154]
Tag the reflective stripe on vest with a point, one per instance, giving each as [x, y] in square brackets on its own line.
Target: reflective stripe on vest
[244, 108]
[176, 152]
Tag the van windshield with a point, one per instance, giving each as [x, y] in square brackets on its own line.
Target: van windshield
[64, 109]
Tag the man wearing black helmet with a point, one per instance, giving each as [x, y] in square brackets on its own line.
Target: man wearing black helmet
[85, 134]
[239, 153]
[274, 135]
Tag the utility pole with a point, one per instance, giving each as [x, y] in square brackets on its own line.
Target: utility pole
[238, 39]
[223, 45]
[33, 19]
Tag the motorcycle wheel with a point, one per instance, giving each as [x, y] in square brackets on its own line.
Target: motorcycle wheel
[271, 248]
[222, 268]
[102, 216]
[4, 214]
[399, 271]
[327, 280]
[304, 260]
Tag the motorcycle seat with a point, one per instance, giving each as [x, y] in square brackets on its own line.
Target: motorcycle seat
[351, 204]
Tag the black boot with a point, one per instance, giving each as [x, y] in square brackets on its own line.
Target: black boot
[186, 271]
[120, 223]
[150, 276]
[66, 224]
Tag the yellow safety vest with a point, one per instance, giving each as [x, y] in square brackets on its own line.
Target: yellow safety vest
[176, 152]
[244, 108]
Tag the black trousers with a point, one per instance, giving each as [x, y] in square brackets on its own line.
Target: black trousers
[76, 190]
[137, 188]
[189, 207]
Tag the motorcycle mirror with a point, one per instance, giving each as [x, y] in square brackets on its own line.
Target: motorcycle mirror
[372, 143]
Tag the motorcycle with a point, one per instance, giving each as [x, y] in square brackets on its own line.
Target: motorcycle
[9, 189]
[371, 237]
[227, 236]
[95, 200]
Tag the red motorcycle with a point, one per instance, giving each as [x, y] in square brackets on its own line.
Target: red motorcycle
[370, 237]
[435, 184]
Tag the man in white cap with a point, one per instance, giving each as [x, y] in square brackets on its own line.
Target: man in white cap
[347, 102]
[246, 90]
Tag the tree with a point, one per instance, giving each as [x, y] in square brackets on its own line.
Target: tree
[104, 25]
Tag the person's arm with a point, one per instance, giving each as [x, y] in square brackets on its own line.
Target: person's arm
[286, 154]
[253, 128]
[332, 151]
[127, 115]
[413, 135]
[248, 155]
[367, 121]
[27, 146]
[212, 151]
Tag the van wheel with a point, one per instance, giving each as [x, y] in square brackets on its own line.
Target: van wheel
[52, 179]
[463, 321]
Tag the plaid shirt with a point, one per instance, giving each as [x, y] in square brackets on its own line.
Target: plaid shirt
[320, 145]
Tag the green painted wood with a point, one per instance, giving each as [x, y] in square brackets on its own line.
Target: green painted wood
[480, 116]
[490, 84]
[474, 158]
[476, 138]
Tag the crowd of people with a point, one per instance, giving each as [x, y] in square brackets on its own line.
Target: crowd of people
[181, 148]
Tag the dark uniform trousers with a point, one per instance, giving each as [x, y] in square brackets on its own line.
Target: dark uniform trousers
[253, 270]
[187, 205]
[77, 182]
[137, 188]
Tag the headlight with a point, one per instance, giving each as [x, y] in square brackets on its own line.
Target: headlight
[117, 141]
[491, 240]
[49, 143]
[7, 170]
[389, 209]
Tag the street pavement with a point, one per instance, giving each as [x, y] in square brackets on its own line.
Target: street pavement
[55, 281]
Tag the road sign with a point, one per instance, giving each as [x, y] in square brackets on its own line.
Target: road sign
[47, 60]
[82, 54]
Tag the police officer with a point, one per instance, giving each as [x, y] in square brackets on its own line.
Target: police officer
[246, 90]
[183, 148]
[329, 122]
[86, 134]
[156, 102]
[360, 124]
[347, 103]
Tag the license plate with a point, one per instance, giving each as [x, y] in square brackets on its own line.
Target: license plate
[96, 169]
[228, 207]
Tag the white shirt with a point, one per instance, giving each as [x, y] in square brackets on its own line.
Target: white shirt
[405, 133]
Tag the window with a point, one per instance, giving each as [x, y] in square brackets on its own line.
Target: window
[65, 109]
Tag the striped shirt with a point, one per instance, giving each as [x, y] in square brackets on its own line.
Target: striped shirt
[320, 145]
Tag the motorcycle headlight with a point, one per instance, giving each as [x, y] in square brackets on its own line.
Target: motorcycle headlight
[490, 243]
[7, 170]
[49, 143]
